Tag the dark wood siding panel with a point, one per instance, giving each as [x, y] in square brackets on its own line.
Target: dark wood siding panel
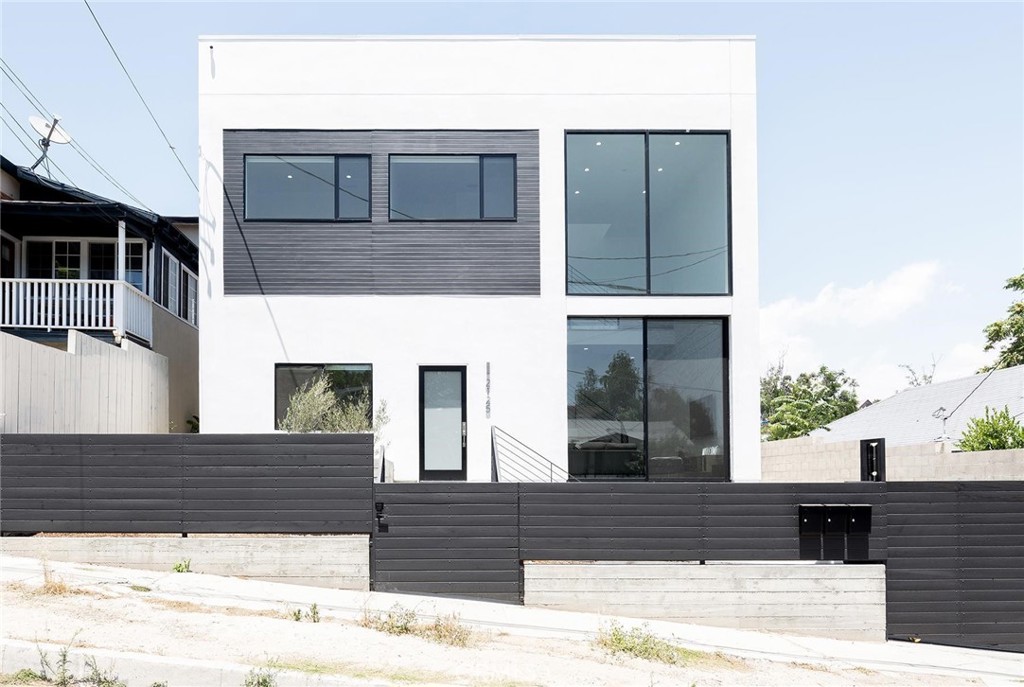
[382, 257]
[275, 483]
[448, 538]
[956, 563]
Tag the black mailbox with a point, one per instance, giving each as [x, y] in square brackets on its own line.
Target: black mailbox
[836, 518]
[860, 519]
[812, 520]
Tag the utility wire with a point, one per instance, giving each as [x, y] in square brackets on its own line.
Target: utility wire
[77, 147]
[972, 393]
[139, 93]
[32, 140]
[23, 145]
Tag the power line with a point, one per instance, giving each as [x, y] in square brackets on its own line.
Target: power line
[139, 93]
[971, 394]
[31, 139]
[23, 145]
[77, 147]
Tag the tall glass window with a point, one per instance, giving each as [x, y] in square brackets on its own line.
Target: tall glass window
[452, 187]
[647, 398]
[686, 399]
[606, 213]
[606, 404]
[647, 213]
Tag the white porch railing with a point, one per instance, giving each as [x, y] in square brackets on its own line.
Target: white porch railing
[76, 304]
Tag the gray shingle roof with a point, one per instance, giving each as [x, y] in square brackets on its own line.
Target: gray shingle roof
[907, 417]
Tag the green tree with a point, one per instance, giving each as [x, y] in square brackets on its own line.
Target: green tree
[810, 401]
[1007, 336]
[997, 430]
[614, 395]
[774, 383]
[315, 407]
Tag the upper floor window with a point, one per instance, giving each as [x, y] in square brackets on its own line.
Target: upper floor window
[307, 187]
[647, 213]
[452, 187]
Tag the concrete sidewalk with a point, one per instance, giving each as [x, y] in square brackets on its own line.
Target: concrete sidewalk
[991, 667]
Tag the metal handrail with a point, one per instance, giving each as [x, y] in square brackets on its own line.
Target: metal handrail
[514, 461]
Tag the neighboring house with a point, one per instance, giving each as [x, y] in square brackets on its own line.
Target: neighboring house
[933, 412]
[74, 261]
[552, 236]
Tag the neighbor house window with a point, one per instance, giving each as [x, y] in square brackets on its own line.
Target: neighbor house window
[452, 187]
[188, 297]
[170, 282]
[647, 213]
[307, 187]
[53, 259]
[103, 262]
[647, 398]
[347, 381]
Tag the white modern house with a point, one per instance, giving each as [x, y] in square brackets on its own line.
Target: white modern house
[543, 247]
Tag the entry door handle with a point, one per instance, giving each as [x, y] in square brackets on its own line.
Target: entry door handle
[463, 435]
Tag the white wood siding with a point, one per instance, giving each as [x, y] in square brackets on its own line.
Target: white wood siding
[93, 388]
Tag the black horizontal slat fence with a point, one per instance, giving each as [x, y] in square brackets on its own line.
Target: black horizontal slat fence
[956, 563]
[468, 539]
[180, 483]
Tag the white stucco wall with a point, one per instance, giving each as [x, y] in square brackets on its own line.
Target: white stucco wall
[550, 84]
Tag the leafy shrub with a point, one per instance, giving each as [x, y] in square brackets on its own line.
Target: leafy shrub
[260, 677]
[183, 566]
[314, 407]
[997, 430]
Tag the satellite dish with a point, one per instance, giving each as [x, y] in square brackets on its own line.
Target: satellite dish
[51, 132]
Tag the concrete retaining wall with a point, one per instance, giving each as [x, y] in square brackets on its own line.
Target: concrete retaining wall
[811, 459]
[836, 601]
[334, 561]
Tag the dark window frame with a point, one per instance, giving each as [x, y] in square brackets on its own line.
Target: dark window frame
[726, 387]
[323, 368]
[335, 220]
[647, 203]
[480, 157]
[443, 475]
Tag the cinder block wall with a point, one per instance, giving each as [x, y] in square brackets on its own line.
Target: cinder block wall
[334, 561]
[837, 601]
[810, 459]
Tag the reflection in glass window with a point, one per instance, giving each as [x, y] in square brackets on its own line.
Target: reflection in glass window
[606, 213]
[289, 187]
[647, 213]
[606, 407]
[452, 187]
[353, 187]
[686, 399]
[689, 213]
[347, 381]
[656, 412]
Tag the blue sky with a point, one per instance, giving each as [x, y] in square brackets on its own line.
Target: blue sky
[891, 143]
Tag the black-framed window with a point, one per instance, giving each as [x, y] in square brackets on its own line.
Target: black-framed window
[452, 187]
[348, 382]
[648, 398]
[647, 213]
[307, 187]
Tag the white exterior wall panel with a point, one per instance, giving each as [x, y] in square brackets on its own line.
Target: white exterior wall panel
[546, 84]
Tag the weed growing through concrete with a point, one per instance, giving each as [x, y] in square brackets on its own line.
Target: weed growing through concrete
[183, 566]
[640, 643]
[99, 678]
[446, 629]
[25, 676]
[313, 614]
[297, 615]
[53, 585]
[139, 588]
[260, 677]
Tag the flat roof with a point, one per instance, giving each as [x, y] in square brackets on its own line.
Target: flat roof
[480, 37]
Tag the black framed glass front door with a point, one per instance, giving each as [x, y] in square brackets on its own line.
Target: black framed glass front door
[442, 423]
